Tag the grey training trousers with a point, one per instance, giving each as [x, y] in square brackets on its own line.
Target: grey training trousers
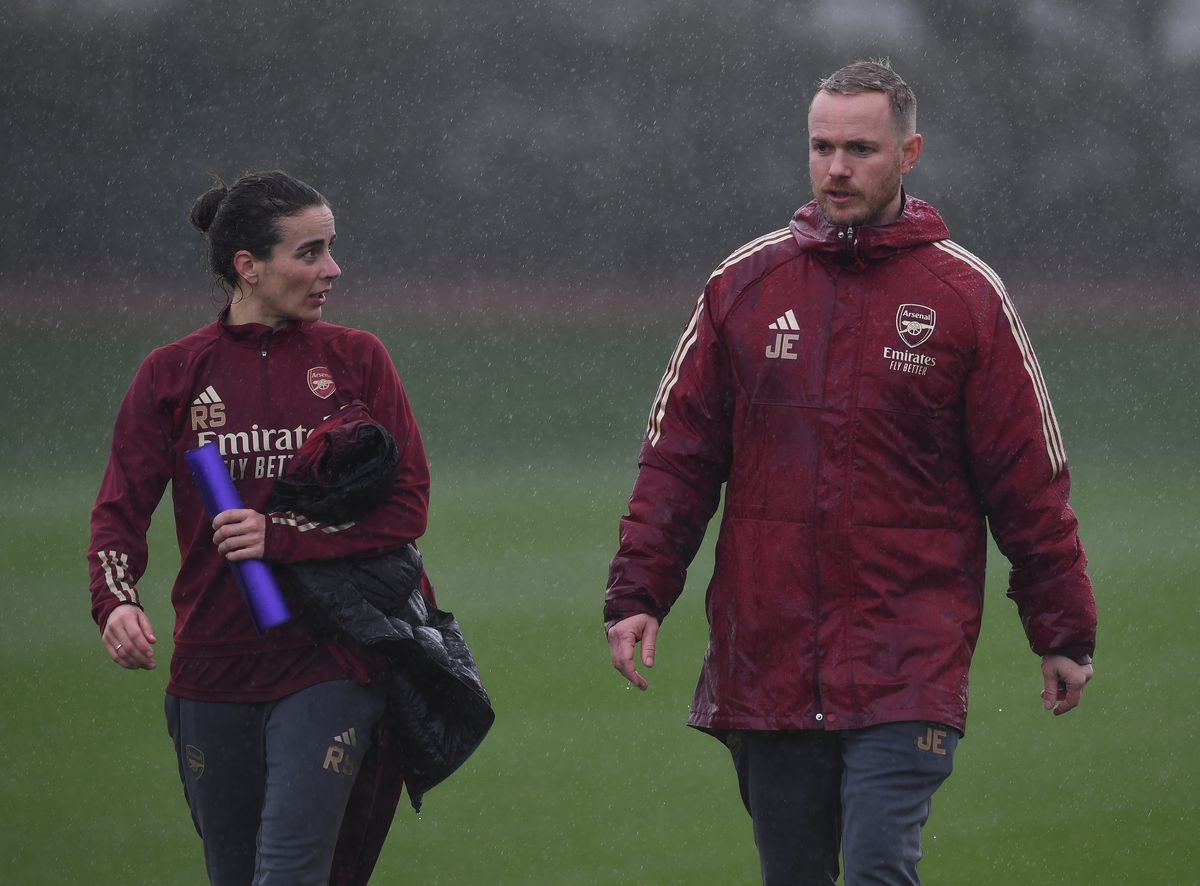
[865, 792]
[267, 783]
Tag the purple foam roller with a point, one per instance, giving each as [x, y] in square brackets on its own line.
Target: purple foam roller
[254, 577]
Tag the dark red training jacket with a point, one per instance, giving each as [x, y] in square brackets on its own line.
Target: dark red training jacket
[258, 394]
[869, 398]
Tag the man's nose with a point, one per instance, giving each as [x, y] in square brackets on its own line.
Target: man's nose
[839, 167]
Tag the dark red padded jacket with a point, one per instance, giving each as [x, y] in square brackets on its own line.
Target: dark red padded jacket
[871, 403]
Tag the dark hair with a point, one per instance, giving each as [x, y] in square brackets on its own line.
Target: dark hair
[876, 75]
[245, 215]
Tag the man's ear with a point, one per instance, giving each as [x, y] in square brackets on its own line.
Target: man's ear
[245, 266]
[910, 150]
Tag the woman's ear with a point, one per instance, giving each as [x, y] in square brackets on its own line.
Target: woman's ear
[246, 267]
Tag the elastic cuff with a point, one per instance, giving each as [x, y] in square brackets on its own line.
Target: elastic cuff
[104, 621]
[612, 618]
[1077, 654]
[275, 538]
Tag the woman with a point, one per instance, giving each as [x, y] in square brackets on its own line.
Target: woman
[270, 729]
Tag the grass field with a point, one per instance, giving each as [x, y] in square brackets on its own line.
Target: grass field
[532, 433]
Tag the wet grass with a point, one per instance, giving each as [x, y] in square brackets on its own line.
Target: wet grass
[532, 434]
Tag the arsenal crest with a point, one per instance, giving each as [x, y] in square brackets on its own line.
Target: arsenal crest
[915, 324]
[320, 382]
[195, 760]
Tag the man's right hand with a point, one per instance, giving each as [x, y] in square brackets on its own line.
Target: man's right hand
[129, 639]
[624, 636]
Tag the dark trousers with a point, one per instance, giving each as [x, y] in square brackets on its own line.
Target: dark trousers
[865, 792]
[268, 783]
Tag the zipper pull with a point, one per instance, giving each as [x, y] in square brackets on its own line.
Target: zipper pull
[847, 247]
[264, 347]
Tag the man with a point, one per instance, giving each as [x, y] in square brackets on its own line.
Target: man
[863, 388]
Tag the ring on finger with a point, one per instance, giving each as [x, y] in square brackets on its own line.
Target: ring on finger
[118, 649]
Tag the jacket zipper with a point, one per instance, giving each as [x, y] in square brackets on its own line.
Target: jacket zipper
[848, 240]
[266, 375]
[847, 244]
[843, 520]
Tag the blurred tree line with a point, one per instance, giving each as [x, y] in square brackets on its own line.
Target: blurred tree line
[604, 141]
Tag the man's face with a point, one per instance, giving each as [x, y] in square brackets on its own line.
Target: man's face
[856, 158]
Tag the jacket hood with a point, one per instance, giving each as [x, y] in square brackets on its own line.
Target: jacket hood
[918, 224]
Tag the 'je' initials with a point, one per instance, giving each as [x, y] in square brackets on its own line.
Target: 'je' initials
[932, 741]
[782, 349]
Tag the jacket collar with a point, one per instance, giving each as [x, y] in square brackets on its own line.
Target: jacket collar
[253, 335]
[919, 223]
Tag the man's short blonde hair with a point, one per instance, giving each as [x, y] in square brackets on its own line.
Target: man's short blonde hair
[876, 76]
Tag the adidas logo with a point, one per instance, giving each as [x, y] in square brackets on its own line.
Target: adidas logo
[208, 410]
[349, 737]
[786, 335]
[787, 321]
[209, 395]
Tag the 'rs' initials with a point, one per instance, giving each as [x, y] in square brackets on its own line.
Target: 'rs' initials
[338, 760]
[932, 741]
[782, 349]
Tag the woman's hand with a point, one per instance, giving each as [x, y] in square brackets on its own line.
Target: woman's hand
[129, 639]
[241, 534]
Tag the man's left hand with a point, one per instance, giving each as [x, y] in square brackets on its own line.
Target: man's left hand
[1063, 680]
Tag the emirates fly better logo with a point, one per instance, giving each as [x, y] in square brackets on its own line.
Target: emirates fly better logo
[914, 323]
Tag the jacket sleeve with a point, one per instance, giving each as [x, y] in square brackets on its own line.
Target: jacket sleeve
[400, 520]
[683, 463]
[1019, 469]
[140, 464]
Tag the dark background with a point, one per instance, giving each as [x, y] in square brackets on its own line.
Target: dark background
[633, 140]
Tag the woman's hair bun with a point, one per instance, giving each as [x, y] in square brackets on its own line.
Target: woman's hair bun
[204, 209]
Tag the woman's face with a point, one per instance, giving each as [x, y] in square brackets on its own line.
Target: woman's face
[292, 284]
